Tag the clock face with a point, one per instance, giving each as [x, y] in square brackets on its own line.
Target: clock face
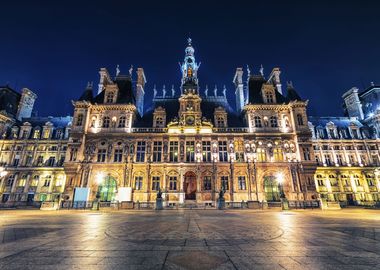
[190, 120]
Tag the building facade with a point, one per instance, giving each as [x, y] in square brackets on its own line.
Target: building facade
[191, 144]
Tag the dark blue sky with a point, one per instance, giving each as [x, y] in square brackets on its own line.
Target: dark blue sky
[324, 48]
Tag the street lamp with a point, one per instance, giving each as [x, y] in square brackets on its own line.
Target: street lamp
[99, 181]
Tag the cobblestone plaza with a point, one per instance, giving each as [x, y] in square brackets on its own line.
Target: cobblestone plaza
[190, 239]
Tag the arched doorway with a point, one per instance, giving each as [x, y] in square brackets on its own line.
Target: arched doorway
[272, 189]
[107, 189]
[190, 186]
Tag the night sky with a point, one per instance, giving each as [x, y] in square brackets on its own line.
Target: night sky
[324, 48]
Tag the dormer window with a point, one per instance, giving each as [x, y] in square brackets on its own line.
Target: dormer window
[37, 134]
[300, 119]
[79, 120]
[159, 122]
[268, 97]
[110, 97]
[220, 122]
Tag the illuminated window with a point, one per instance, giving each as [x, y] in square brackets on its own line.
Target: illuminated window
[190, 155]
[138, 182]
[121, 122]
[261, 155]
[241, 182]
[140, 151]
[79, 120]
[106, 122]
[224, 182]
[22, 181]
[110, 97]
[277, 154]
[35, 181]
[223, 155]
[273, 121]
[207, 183]
[172, 182]
[239, 151]
[37, 134]
[155, 183]
[258, 122]
[206, 151]
[189, 72]
[173, 152]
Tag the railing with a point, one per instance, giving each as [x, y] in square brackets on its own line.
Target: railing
[235, 205]
[274, 204]
[303, 204]
[145, 205]
[149, 130]
[230, 130]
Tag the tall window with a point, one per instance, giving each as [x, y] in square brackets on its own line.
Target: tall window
[223, 155]
[47, 181]
[35, 181]
[328, 160]
[159, 122]
[10, 180]
[122, 121]
[58, 134]
[206, 151]
[155, 183]
[36, 134]
[118, 155]
[79, 120]
[258, 122]
[207, 183]
[29, 159]
[172, 182]
[220, 122]
[106, 122]
[224, 182]
[242, 183]
[277, 154]
[173, 152]
[40, 160]
[306, 153]
[22, 181]
[51, 161]
[239, 151]
[300, 119]
[273, 121]
[110, 96]
[157, 151]
[140, 151]
[190, 157]
[352, 159]
[339, 159]
[101, 155]
[261, 155]
[138, 183]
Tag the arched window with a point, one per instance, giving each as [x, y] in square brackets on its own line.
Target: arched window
[106, 122]
[273, 121]
[79, 120]
[258, 121]
[110, 97]
[122, 121]
[300, 119]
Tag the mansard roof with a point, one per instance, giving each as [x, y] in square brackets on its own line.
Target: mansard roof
[9, 100]
[341, 122]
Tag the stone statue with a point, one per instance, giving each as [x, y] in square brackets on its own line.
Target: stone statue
[154, 91]
[159, 194]
[173, 91]
[164, 91]
[262, 70]
[215, 91]
[224, 91]
[221, 194]
[117, 70]
[206, 91]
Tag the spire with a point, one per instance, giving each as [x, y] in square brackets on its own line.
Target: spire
[189, 69]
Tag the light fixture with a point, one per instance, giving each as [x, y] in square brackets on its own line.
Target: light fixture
[280, 177]
[99, 178]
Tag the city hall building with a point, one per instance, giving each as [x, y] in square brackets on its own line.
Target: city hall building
[190, 143]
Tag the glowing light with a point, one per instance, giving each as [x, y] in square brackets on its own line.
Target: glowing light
[280, 178]
[99, 178]
[2, 172]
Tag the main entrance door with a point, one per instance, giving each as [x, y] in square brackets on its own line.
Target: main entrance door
[190, 186]
[108, 189]
[272, 189]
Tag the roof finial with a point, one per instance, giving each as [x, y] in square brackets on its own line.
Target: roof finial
[130, 70]
[262, 70]
[189, 41]
[117, 70]
[248, 71]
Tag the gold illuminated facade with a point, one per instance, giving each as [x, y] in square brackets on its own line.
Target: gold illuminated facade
[190, 144]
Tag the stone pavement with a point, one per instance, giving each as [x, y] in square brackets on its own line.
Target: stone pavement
[190, 239]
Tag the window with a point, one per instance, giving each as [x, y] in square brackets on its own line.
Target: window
[51, 161]
[29, 159]
[364, 160]
[140, 151]
[220, 122]
[239, 151]
[102, 155]
[375, 160]
[138, 182]
[106, 122]
[22, 181]
[173, 152]
[273, 121]
[352, 159]
[320, 182]
[110, 96]
[306, 153]
[157, 151]
[370, 181]
[206, 151]
[155, 183]
[357, 181]
[317, 160]
[79, 120]
[339, 159]
[277, 154]
[16, 160]
[10, 180]
[328, 160]
[269, 97]
[37, 134]
[300, 119]
[261, 155]
[190, 155]
[47, 181]
[40, 160]
[223, 155]
[159, 122]
[224, 182]
[258, 121]
[172, 182]
[241, 182]
[58, 134]
[25, 134]
[35, 181]
[207, 183]
[118, 155]
[122, 122]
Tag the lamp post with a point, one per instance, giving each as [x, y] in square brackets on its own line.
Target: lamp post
[99, 181]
